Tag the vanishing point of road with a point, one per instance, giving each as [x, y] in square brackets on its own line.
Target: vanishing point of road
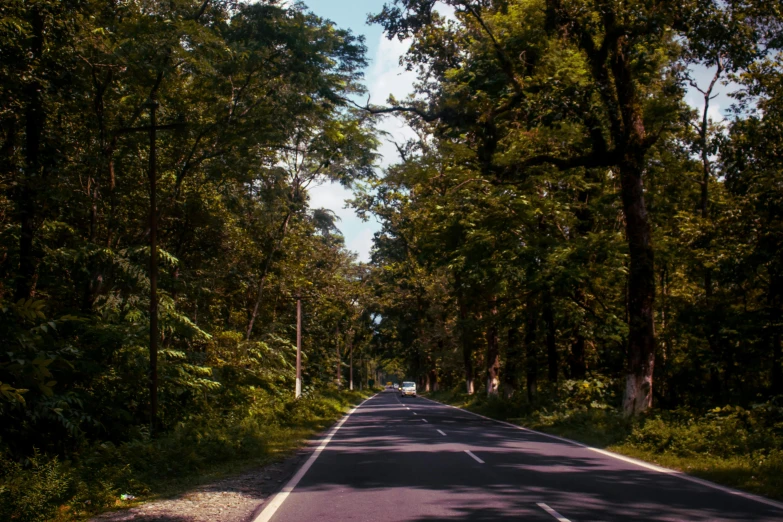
[407, 459]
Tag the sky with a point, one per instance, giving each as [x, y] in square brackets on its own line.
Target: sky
[383, 77]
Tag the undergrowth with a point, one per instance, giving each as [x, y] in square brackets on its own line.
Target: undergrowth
[734, 446]
[201, 448]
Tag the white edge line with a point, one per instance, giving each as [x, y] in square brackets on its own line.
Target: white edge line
[640, 463]
[473, 456]
[271, 508]
[415, 413]
[558, 516]
[441, 433]
[424, 420]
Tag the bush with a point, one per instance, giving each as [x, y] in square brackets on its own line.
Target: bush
[739, 447]
[35, 490]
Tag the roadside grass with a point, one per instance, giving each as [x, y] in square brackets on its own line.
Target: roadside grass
[202, 450]
[733, 446]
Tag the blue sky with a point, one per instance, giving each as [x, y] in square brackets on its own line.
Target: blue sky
[384, 76]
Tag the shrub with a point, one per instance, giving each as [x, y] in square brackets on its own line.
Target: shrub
[32, 492]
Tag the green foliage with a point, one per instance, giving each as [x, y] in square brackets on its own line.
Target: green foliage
[260, 429]
[251, 111]
[730, 445]
[33, 492]
[566, 220]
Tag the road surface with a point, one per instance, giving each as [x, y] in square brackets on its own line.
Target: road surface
[417, 460]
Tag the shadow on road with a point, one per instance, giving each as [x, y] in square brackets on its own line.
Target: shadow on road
[387, 451]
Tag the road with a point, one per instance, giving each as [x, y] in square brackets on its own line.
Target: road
[417, 460]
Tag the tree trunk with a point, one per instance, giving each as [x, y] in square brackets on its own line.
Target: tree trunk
[350, 366]
[34, 170]
[512, 363]
[776, 372]
[493, 352]
[465, 335]
[577, 364]
[551, 344]
[339, 359]
[531, 357]
[776, 377]
[265, 272]
[641, 288]
[153, 181]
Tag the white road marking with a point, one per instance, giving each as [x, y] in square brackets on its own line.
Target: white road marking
[415, 413]
[646, 465]
[469, 453]
[445, 435]
[277, 501]
[424, 420]
[558, 516]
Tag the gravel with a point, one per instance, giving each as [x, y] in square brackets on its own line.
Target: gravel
[234, 499]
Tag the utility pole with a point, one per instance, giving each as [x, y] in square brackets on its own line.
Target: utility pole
[298, 346]
[152, 105]
[350, 345]
[339, 360]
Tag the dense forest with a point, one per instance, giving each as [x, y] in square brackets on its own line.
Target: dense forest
[577, 240]
[156, 231]
[566, 233]
[566, 214]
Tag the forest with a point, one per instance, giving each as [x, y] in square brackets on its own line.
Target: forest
[570, 244]
[567, 243]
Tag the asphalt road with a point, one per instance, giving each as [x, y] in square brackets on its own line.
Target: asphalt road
[417, 460]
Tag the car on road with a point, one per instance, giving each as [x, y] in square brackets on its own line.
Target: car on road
[396, 386]
[408, 389]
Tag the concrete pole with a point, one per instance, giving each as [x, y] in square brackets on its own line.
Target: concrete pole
[350, 344]
[298, 347]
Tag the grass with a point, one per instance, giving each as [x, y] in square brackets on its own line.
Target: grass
[737, 447]
[202, 450]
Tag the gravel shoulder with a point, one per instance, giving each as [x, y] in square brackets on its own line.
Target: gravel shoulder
[233, 499]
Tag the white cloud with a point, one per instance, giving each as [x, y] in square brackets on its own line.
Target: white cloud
[385, 77]
[358, 234]
[722, 100]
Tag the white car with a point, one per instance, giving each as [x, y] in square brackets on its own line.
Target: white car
[396, 386]
[408, 389]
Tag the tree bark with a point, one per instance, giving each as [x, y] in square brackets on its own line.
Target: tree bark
[34, 171]
[551, 344]
[153, 218]
[350, 365]
[531, 357]
[641, 290]
[465, 335]
[578, 364]
[776, 372]
[511, 362]
[776, 377]
[704, 134]
[265, 271]
[612, 69]
[493, 352]
[339, 380]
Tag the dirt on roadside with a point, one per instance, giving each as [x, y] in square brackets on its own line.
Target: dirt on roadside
[234, 499]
